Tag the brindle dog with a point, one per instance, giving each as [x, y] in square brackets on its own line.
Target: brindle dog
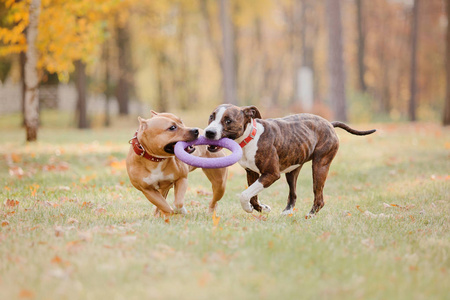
[275, 146]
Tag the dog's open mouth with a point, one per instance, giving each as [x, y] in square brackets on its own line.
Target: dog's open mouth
[169, 148]
[212, 148]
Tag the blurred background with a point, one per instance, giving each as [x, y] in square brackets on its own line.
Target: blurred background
[93, 63]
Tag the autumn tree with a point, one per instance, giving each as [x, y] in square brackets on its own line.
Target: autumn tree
[412, 107]
[446, 119]
[31, 75]
[228, 68]
[336, 73]
[361, 44]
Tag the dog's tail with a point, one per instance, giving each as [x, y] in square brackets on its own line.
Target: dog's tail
[351, 130]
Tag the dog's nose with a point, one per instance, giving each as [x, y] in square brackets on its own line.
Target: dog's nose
[195, 132]
[210, 134]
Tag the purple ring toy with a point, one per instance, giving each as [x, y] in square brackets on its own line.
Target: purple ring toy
[209, 163]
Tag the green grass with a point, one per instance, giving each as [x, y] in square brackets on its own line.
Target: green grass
[81, 231]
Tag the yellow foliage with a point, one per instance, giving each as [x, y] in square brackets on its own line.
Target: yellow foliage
[68, 30]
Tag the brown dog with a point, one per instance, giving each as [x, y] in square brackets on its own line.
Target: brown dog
[153, 168]
[274, 146]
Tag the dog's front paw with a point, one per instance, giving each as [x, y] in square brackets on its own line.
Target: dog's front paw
[310, 216]
[247, 206]
[181, 210]
[245, 203]
[287, 212]
[265, 208]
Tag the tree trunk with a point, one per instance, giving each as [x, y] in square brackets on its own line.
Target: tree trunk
[31, 76]
[228, 70]
[209, 32]
[336, 60]
[162, 94]
[125, 73]
[446, 120]
[22, 60]
[80, 69]
[361, 46]
[107, 90]
[413, 85]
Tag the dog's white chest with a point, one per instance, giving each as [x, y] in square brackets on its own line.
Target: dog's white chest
[156, 176]
[249, 151]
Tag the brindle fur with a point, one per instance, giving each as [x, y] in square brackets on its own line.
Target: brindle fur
[288, 141]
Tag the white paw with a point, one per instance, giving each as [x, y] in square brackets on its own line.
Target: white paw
[310, 215]
[245, 203]
[287, 212]
[265, 208]
[181, 210]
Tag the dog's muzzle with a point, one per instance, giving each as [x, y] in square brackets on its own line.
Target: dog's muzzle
[210, 134]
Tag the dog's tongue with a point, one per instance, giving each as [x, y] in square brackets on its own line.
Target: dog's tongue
[213, 149]
[190, 149]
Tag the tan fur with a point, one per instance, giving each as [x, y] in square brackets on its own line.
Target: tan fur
[155, 179]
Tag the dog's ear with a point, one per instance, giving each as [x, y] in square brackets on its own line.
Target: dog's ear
[252, 112]
[142, 124]
[154, 113]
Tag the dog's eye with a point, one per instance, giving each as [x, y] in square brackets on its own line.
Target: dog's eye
[172, 128]
[228, 121]
[211, 117]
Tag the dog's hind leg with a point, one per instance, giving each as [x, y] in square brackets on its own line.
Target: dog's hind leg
[291, 179]
[320, 168]
[218, 179]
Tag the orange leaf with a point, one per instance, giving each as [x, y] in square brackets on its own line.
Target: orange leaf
[100, 210]
[5, 223]
[118, 164]
[26, 294]
[11, 203]
[16, 157]
[56, 259]
[215, 219]
[260, 217]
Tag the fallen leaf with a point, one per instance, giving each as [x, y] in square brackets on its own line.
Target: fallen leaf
[5, 223]
[26, 294]
[11, 203]
[195, 203]
[100, 210]
[16, 171]
[34, 189]
[15, 157]
[72, 221]
[118, 164]
[86, 179]
[372, 215]
[260, 217]
[56, 260]
[215, 219]
[59, 231]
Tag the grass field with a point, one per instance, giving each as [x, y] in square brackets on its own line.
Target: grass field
[72, 227]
